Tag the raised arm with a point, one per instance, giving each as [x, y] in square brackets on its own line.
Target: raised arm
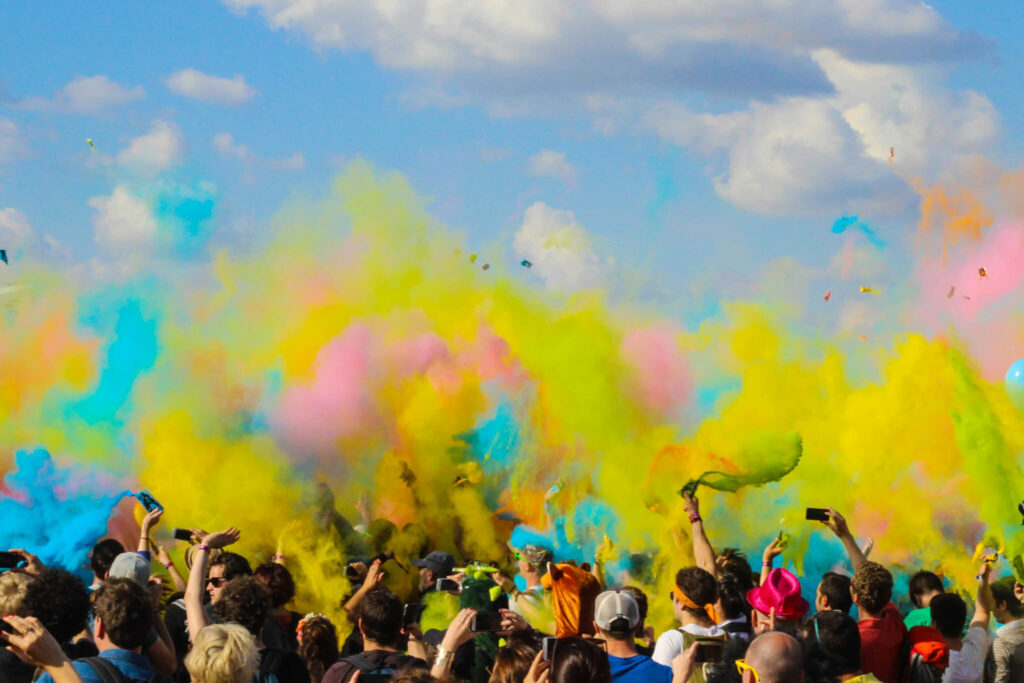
[837, 523]
[773, 550]
[985, 602]
[703, 553]
[148, 522]
[374, 575]
[165, 559]
[197, 579]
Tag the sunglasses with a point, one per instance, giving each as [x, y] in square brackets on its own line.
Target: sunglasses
[216, 581]
[741, 666]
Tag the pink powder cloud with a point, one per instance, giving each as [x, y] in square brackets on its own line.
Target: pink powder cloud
[662, 381]
[339, 402]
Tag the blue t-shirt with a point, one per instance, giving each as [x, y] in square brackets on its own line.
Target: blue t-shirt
[638, 669]
[132, 665]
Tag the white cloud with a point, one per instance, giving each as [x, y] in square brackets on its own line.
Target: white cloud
[86, 95]
[123, 222]
[559, 248]
[550, 163]
[14, 227]
[12, 146]
[523, 48]
[802, 155]
[229, 149]
[214, 89]
[156, 151]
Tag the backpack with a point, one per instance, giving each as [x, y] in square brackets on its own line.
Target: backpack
[365, 666]
[109, 673]
[926, 655]
[269, 666]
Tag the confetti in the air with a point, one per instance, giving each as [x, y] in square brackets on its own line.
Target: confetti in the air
[486, 266]
[526, 264]
[91, 146]
[952, 291]
[982, 272]
[867, 290]
[828, 295]
[3, 256]
[472, 258]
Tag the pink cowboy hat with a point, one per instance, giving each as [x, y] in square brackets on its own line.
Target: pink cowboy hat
[781, 592]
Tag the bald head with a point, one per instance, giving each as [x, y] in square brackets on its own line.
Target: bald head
[777, 658]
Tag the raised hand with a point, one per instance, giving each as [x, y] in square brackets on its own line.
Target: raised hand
[32, 563]
[32, 643]
[221, 539]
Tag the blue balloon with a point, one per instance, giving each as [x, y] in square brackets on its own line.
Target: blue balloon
[1015, 383]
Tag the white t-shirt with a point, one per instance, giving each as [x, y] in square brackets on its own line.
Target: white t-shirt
[670, 643]
[967, 665]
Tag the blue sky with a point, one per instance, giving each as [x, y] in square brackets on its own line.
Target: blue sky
[684, 148]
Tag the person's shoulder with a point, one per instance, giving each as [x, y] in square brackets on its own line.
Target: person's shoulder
[338, 673]
[670, 635]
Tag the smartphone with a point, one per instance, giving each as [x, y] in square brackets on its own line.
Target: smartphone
[817, 514]
[148, 501]
[708, 652]
[183, 534]
[411, 613]
[10, 560]
[447, 585]
[486, 622]
[548, 647]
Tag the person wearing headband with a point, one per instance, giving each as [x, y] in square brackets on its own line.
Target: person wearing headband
[693, 603]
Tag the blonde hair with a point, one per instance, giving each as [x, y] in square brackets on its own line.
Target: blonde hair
[223, 653]
[13, 586]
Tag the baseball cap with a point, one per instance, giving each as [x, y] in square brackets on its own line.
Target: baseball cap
[534, 554]
[616, 610]
[441, 563]
[130, 566]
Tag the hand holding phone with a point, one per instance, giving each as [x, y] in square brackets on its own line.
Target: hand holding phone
[448, 585]
[183, 535]
[817, 514]
[148, 501]
[548, 648]
[708, 652]
[10, 560]
[486, 622]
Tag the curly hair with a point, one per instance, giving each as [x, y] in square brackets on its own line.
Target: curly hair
[872, 584]
[699, 585]
[125, 610]
[318, 646]
[103, 554]
[13, 587]
[223, 653]
[60, 601]
[244, 601]
[233, 563]
[278, 581]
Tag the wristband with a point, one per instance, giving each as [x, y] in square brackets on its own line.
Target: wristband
[768, 563]
[443, 658]
[203, 546]
[695, 517]
[169, 565]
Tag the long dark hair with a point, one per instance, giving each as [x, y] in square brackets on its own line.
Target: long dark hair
[318, 646]
[578, 660]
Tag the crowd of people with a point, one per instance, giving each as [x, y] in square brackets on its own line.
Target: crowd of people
[561, 622]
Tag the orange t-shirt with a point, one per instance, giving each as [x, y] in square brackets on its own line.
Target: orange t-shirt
[573, 592]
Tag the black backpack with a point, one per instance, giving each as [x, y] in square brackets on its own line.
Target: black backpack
[365, 666]
[923, 672]
[109, 673]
